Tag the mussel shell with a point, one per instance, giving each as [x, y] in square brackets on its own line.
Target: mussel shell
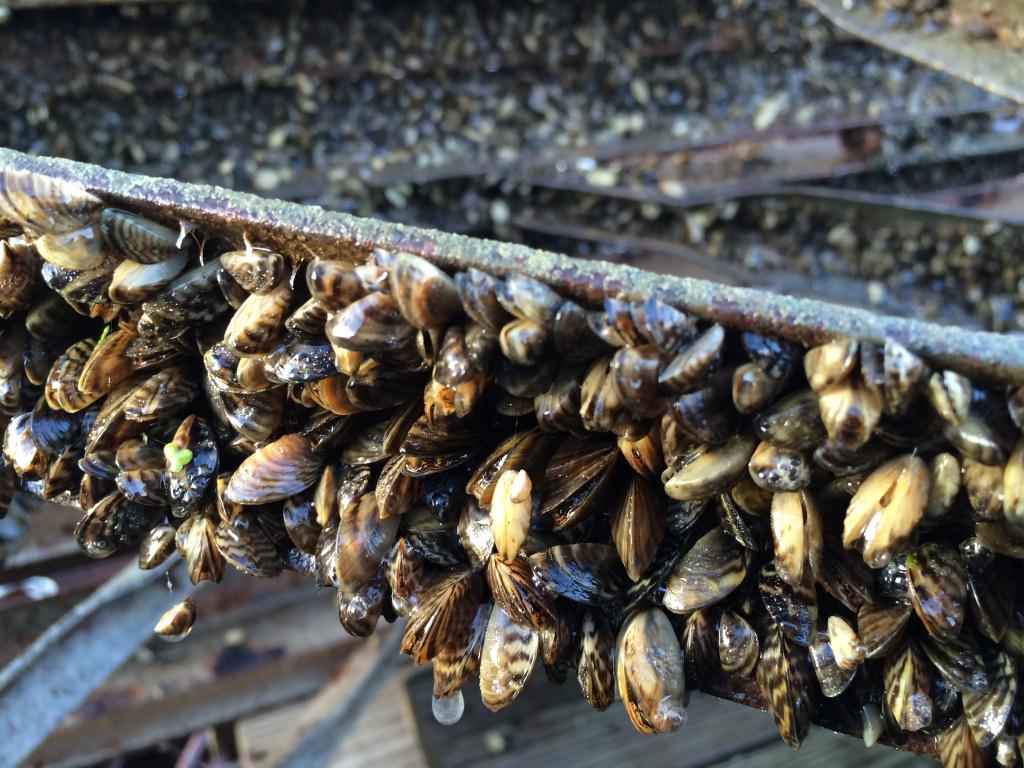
[528, 299]
[156, 547]
[908, 685]
[712, 568]
[107, 364]
[575, 477]
[430, 450]
[573, 338]
[243, 545]
[524, 342]
[594, 669]
[478, 292]
[133, 282]
[938, 589]
[691, 366]
[45, 204]
[784, 676]
[52, 430]
[276, 471]
[363, 539]
[445, 610]
[81, 248]
[19, 276]
[113, 524]
[301, 522]
[794, 423]
[649, 672]
[371, 324]
[143, 486]
[988, 713]
[21, 451]
[61, 389]
[881, 626]
[176, 623]
[257, 270]
[958, 660]
[738, 646]
[706, 415]
[512, 586]
[189, 487]
[259, 322]
[638, 524]
[376, 386]
[204, 560]
[507, 659]
[794, 609]
[528, 450]
[584, 573]
[426, 296]
[396, 492]
[708, 471]
[165, 393]
[255, 415]
[140, 239]
[779, 469]
[832, 678]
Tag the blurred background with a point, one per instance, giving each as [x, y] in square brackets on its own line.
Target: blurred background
[752, 142]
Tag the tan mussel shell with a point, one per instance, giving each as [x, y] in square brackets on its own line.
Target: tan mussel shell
[595, 670]
[107, 365]
[908, 686]
[156, 547]
[363, 539]
[507, 660]
[738, 646]
[44, 204]
[649, 672]
[638, 524]
[19, 275]
[459, 661]
[935, 578]
[276, 471]
[1013, 485]
[176, 624]
[830, 363]
[706, 471]
[512, 586]
[712, 568]
[444, 611]
[242, 544]
[426, 296]
[575, 478]
[133, 282]
[204, 559]
[371, 324]
[81, 248]
[21, 451]
[957, 747]
[785, 677]
[61, 388]
[257, 270]
[141, 240]
[257, 325]
[885, 510]
[796, 532]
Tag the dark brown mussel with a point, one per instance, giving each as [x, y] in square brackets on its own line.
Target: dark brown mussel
[430, 450]
[191, 460]
[512, 586]
[19, 275]
[528, 299]
[335, 284]
[595, 670]
[574, 340]
[426, 296]
[165, 393]
[575, 478]
[359, 610]
[991, 586]
[445, 609]
[275, 471]
[794, 609]
[376, 386]
[144, 486]
[785, 677]
[371, 324]
[113, 524]
[141, 240]
[301, 521]
[363, 540]
[138, 453]
[478, 293]
[881, 626]
[713, 567]
[958, 660]
[84, 286]
[938, 589]
[255, 415]
[638, 524]
[988, 713]
[524, 342]
[706, 415]
[257, 270]
[584, 573]
[668, 328]
[53, 430]
[692, 365]
[257, 325]
[649, 672]
[244, 545]
[528, 450]
[794, 423]
[176, 623]
[396, 492]
[634, 372]
[192, 299]
[308, 320]
[156, 547]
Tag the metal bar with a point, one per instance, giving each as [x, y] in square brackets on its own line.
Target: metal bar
[313, 231]
[71, 658]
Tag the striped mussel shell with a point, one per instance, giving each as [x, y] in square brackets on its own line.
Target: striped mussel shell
[785, 677]
[649, 672]
[79, 249]
[591, 574]
[42, 204]
[276, 471]
[176, 623]
[113, 524]
[256, 270]
[507, 659]
[141, 240]
[157, 547]
[19, 275]
[710, 570]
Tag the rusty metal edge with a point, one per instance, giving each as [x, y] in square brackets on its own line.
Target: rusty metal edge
[306, 229]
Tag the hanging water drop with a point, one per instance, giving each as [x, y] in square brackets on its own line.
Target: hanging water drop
[448, 711]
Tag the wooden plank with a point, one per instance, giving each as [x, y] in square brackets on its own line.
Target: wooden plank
[257, 644]
[383, 734]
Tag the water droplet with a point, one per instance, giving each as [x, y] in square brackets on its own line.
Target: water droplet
[401, 605]
[448, 711]
[39, 587]
[872, 724]
[358, 608]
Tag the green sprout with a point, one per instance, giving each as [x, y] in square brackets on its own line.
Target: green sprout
[912, 561]
[106, 332]
[178, 457]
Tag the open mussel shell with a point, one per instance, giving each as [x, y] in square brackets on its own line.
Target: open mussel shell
[713, 567]
[276, 471]
[649, 672]
[141, 240]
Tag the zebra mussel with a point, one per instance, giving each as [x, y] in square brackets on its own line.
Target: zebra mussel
[625, 490]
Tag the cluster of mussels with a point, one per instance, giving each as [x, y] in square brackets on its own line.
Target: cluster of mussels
[645, 499]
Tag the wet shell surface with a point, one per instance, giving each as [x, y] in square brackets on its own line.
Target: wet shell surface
[595, 484]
